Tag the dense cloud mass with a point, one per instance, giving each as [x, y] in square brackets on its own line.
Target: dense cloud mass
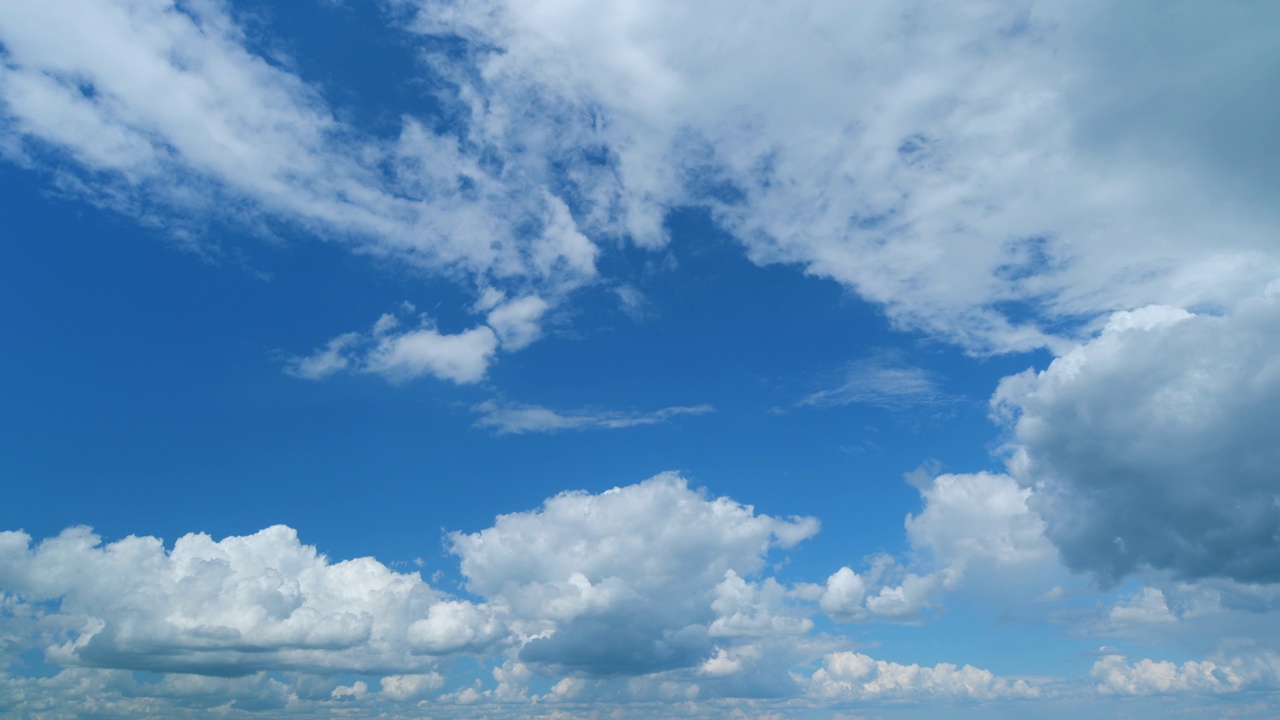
[234, 606]
[631, 580]
[1155, 444]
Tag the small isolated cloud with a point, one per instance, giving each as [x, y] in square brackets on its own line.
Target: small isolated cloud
[884, 382]
[399, 355]
[512, 418]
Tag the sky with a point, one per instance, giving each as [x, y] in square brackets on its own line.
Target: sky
[566, 359]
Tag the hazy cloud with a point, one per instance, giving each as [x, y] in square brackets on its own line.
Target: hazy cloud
[512, 418]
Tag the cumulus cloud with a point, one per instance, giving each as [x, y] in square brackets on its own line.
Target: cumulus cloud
[511, 418]
[1151, 445]
[1116, 676]
[653, 579]
[854, 676]
[400, 354]
[636, 579]
[234, 606]
[977, 522]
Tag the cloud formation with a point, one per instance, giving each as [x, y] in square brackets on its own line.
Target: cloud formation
[970, 523]
[956, 164]
[1152, 444]
[234, 606]
[854, 676]
[632, 580]
[163, 106]
[1116, 676]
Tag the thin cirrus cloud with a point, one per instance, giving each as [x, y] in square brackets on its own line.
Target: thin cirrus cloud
[506, 418]
[882, 382]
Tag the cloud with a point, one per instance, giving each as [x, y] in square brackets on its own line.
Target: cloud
[399, 355]
[1151, 444]
[516, 323]
[641, 580]
[633, 580]
[881, 382]
[971, 523]
[854, 676]
[1145, 677]
[233, 607]
[983, 171]
[509, 418]
[162, 111]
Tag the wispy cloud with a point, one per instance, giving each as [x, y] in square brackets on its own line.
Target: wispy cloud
[514, 418]
[884, 382]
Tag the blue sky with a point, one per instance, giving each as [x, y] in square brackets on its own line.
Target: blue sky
[416, 358]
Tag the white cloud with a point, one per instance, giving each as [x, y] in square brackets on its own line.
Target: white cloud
[854, 676]
[882, 382]
[1147, 606]
[462, 358]
[411, 687]
[633, 580]
[1145, 677]
[505, 418]
[231, 607]
[162, 106]
[517, 322]
[967, 165]
[403, 354]
[1151, 444]
[977, 517]
[981, 170]
[971, 523]
[326, 361]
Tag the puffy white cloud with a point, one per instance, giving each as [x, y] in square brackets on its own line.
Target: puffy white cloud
[978, 522]
[516, 322]
[1151, 445]
[504, 418]
[403, 354]
[232, 607]
[1116, 676]
[636, 579]
[851, 675]
[463, 357]
[966, 165]
[977, 517]
[411, 687]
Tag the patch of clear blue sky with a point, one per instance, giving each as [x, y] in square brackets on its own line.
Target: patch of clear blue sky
[153, 400]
